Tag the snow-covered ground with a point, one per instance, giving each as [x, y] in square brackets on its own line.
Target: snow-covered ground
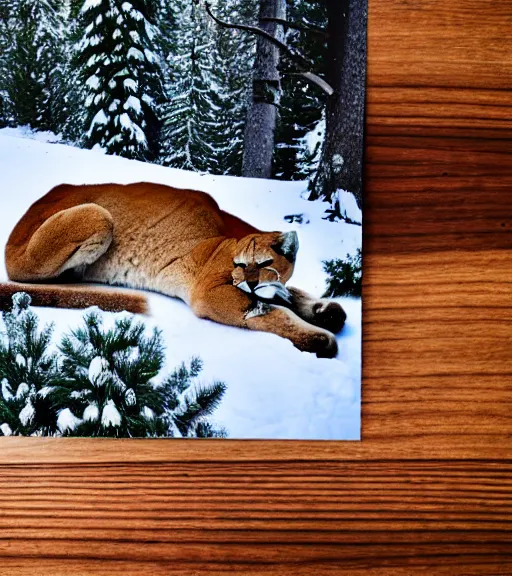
[274, 390]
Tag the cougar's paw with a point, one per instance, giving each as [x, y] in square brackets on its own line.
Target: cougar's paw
[329, 315]
[323, 344]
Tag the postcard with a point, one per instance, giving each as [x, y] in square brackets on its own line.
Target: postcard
[181, 218]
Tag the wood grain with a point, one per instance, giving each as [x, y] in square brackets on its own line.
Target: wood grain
[429, 490]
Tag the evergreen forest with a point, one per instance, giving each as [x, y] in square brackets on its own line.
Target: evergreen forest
[158, 80]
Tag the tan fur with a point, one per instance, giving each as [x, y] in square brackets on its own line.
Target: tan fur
[176, 242]
[66, 296]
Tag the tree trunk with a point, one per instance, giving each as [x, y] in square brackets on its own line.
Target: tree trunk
[262, 114]
[340, 165]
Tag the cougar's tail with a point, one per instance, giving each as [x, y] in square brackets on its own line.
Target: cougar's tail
[75, 296]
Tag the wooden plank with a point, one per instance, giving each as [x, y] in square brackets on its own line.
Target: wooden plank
[253, 518]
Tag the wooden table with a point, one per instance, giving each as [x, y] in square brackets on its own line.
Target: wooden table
[429, 490]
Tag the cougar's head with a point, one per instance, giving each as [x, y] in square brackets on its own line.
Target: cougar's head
[263, 263]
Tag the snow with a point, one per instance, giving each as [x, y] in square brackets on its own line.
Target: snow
[6, 390]
[98, 371]
[22, 390]
[20, 360]
[150, 56]
[314, 139]
[27, 413]
[349, 207]
[273, 389]
[91, 413]
[93, 82]
[99, 118]
[92, 40]
[27, 132]
[130, 84]
[6, 429]
[132, 103]
[43, 393]
[66, 420]
[130, 397]
[110, 415]
[147, 413]
[135, 36]
[135, 53]
[136, 131]
[89, 4]
[92, 60]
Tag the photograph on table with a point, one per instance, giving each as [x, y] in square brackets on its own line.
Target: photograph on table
[181, 218]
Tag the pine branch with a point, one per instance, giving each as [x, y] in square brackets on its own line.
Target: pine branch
[207, 430]
[315, 79]
[304, 27]
[202, 404]
[302, 63]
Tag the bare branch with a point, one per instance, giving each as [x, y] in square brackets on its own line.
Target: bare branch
[315, 79]
[305, 27]
[302, 63]
[300, 60]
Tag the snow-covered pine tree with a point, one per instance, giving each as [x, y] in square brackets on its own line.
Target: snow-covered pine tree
[28, 373]
[32, 88]
[73, 129]
[122, 76]
[5, 48]
[302, 103]
[188, 115]
[108, 387]
[208, 77]
[230, 84]
[190, 405]
[53, 106]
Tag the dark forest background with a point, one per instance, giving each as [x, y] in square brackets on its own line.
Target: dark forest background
[162, 81]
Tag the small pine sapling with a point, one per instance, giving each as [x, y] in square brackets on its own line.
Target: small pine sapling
[98, 382]
[189, 405]
[345, 276]
[28, 373]
[110, 390]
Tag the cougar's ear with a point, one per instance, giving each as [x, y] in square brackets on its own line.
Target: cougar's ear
[287, 245]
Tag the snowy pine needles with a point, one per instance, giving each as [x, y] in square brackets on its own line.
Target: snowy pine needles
[99, 382]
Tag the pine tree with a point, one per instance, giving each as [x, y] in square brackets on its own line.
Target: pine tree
[5, 52]
[302, 103]
[32, 90]
[208, 76]
[76, 94]
[344, 276]
[188, 66]
[108, 387]
[230, 85]
[28, 373]
[122, 76]
[53, 106]
[340, 165]
[98, 382]
[189, 407]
